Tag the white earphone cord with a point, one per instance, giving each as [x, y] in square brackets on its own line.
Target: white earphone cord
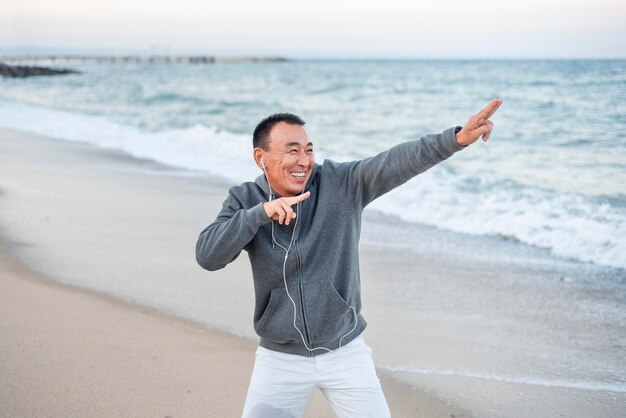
[356, 320]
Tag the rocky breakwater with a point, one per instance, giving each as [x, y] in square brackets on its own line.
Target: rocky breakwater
[21, 71]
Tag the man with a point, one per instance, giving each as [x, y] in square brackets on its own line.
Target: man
[300, 224]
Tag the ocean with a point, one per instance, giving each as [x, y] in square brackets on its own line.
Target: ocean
[537, 215]
[553, 175]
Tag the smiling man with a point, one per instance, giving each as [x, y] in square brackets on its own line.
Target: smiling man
[300, 224]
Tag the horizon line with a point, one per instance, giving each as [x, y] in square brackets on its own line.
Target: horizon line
[156, 50]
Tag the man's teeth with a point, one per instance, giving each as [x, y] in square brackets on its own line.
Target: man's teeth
[297, 174]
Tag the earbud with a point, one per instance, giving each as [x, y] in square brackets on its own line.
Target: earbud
[262, 163]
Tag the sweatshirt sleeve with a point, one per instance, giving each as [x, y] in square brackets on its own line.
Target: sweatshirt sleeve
[235, 226]
[372, 177]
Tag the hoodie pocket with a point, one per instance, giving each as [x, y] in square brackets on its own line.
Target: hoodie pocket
[276, 323]
[329, 316]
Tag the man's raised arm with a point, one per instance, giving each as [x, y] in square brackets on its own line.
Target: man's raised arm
[375, 176]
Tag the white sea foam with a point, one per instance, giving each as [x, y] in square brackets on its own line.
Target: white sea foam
[202, 148]
[569, 225]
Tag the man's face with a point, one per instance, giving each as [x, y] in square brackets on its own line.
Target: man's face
[289, 159]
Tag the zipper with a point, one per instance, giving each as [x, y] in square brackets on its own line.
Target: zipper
[301, 288]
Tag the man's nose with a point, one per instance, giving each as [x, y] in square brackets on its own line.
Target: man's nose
[303, 159]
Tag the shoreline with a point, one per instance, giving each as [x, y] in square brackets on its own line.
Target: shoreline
[66, 357]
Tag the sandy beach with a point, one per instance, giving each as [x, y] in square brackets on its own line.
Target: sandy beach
[77, 225]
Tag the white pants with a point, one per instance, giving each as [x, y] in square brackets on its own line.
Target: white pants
[281, 384]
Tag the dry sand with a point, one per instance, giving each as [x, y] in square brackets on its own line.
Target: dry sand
[72, 352]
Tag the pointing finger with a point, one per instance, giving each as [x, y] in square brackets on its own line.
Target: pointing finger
[482, 115]
[490, 109]
[493, 108]
[298, 199]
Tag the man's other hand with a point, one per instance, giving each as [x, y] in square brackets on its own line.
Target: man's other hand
[478, 125]
[280, 209]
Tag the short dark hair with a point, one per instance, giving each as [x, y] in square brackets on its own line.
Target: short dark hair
[261, 135]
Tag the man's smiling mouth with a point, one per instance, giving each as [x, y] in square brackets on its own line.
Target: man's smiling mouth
[298, 174]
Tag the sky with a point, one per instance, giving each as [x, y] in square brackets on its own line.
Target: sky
[322, 28]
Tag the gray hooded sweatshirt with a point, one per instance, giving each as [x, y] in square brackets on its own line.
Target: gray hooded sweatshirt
[322, 268]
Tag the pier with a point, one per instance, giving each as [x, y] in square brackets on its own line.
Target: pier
[136, 59]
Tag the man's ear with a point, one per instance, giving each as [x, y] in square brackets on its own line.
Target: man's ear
[257, 154]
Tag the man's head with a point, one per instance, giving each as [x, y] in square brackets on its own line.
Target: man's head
[283, 145]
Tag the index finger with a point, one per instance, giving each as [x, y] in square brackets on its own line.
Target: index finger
[298, 199]
[491, 108]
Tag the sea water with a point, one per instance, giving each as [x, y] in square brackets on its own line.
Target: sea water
[540, 208]
[553, 174]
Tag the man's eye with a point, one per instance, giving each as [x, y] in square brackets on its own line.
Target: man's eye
[293, 151]
[309, 151]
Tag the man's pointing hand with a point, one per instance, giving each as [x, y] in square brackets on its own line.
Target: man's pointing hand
[280, 209]
[478, 125]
